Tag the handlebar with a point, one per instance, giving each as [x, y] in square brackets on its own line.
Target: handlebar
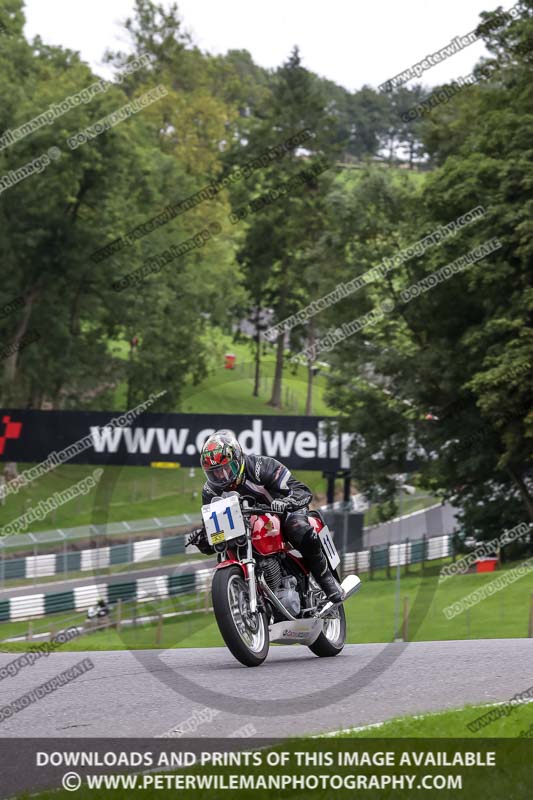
[262, 510]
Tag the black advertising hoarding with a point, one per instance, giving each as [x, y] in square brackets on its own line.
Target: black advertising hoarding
[33, 436]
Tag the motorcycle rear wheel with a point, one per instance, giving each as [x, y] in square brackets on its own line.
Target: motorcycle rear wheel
[245, 635]
[331, 640]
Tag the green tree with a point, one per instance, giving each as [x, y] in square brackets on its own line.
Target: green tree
[277, 233]
[461, 352]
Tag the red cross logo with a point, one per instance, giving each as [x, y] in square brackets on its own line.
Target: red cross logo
[12, 431]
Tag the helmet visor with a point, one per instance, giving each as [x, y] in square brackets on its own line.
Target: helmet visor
[224, 474]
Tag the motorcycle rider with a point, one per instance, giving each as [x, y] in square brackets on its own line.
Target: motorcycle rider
[267, 480]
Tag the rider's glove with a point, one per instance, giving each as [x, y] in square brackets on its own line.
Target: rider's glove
[198, 538]
[281, 506]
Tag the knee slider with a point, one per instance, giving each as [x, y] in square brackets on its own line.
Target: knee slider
[294, 524]
[311, 543]
[296, 528]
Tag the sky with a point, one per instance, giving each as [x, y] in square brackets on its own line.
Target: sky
[351, 42]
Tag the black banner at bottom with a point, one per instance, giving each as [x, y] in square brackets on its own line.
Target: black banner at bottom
[201, 769]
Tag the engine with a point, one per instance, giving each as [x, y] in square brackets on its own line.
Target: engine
[288, 595]
[282, 584]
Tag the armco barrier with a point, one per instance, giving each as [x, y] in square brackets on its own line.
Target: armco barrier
[383, 556]
[132, 552]
[414, 525]
[160, 586]
[58, 601]
[81, 598]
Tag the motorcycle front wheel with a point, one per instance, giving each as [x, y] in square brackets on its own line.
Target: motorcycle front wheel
[245, 634]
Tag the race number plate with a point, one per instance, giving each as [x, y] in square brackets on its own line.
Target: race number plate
[329, 548]
[223, 520]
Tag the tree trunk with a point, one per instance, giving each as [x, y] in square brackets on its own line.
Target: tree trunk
[35, 398]
[310, 375]
[526, 496]
[10, 367]
[129, 391]
[275, 400]
[75, 311]
[257, 356]
[58, 401]
[391, 149]
[309, 397]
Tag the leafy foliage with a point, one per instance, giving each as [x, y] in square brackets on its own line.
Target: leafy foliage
[443, 382]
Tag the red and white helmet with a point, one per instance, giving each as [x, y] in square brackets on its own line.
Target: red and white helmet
[222, 460]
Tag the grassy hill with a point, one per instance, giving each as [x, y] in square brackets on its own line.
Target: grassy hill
[123, 493]
[230, 391]
[127, 493]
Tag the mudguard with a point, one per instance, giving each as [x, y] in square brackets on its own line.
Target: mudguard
[229, 562]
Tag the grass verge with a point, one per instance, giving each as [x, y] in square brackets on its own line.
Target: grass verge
[508, 722]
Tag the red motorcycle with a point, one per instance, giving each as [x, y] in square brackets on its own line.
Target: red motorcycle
[262, 592]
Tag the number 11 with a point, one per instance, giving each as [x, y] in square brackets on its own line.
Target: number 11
[229, 515]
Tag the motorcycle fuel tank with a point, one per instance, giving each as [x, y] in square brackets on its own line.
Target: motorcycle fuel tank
[266, 534]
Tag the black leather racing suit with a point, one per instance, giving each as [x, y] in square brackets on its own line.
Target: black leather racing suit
[266, 479]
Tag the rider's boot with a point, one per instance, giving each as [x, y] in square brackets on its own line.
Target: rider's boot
[316, 561]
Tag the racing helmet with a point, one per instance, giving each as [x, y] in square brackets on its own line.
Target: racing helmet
[222, 460]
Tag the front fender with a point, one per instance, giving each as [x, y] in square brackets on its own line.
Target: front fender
[229, 562]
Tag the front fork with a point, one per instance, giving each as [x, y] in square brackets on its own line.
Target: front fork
[250, 569]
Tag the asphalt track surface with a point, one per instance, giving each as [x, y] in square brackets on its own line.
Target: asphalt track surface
[150, 692]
